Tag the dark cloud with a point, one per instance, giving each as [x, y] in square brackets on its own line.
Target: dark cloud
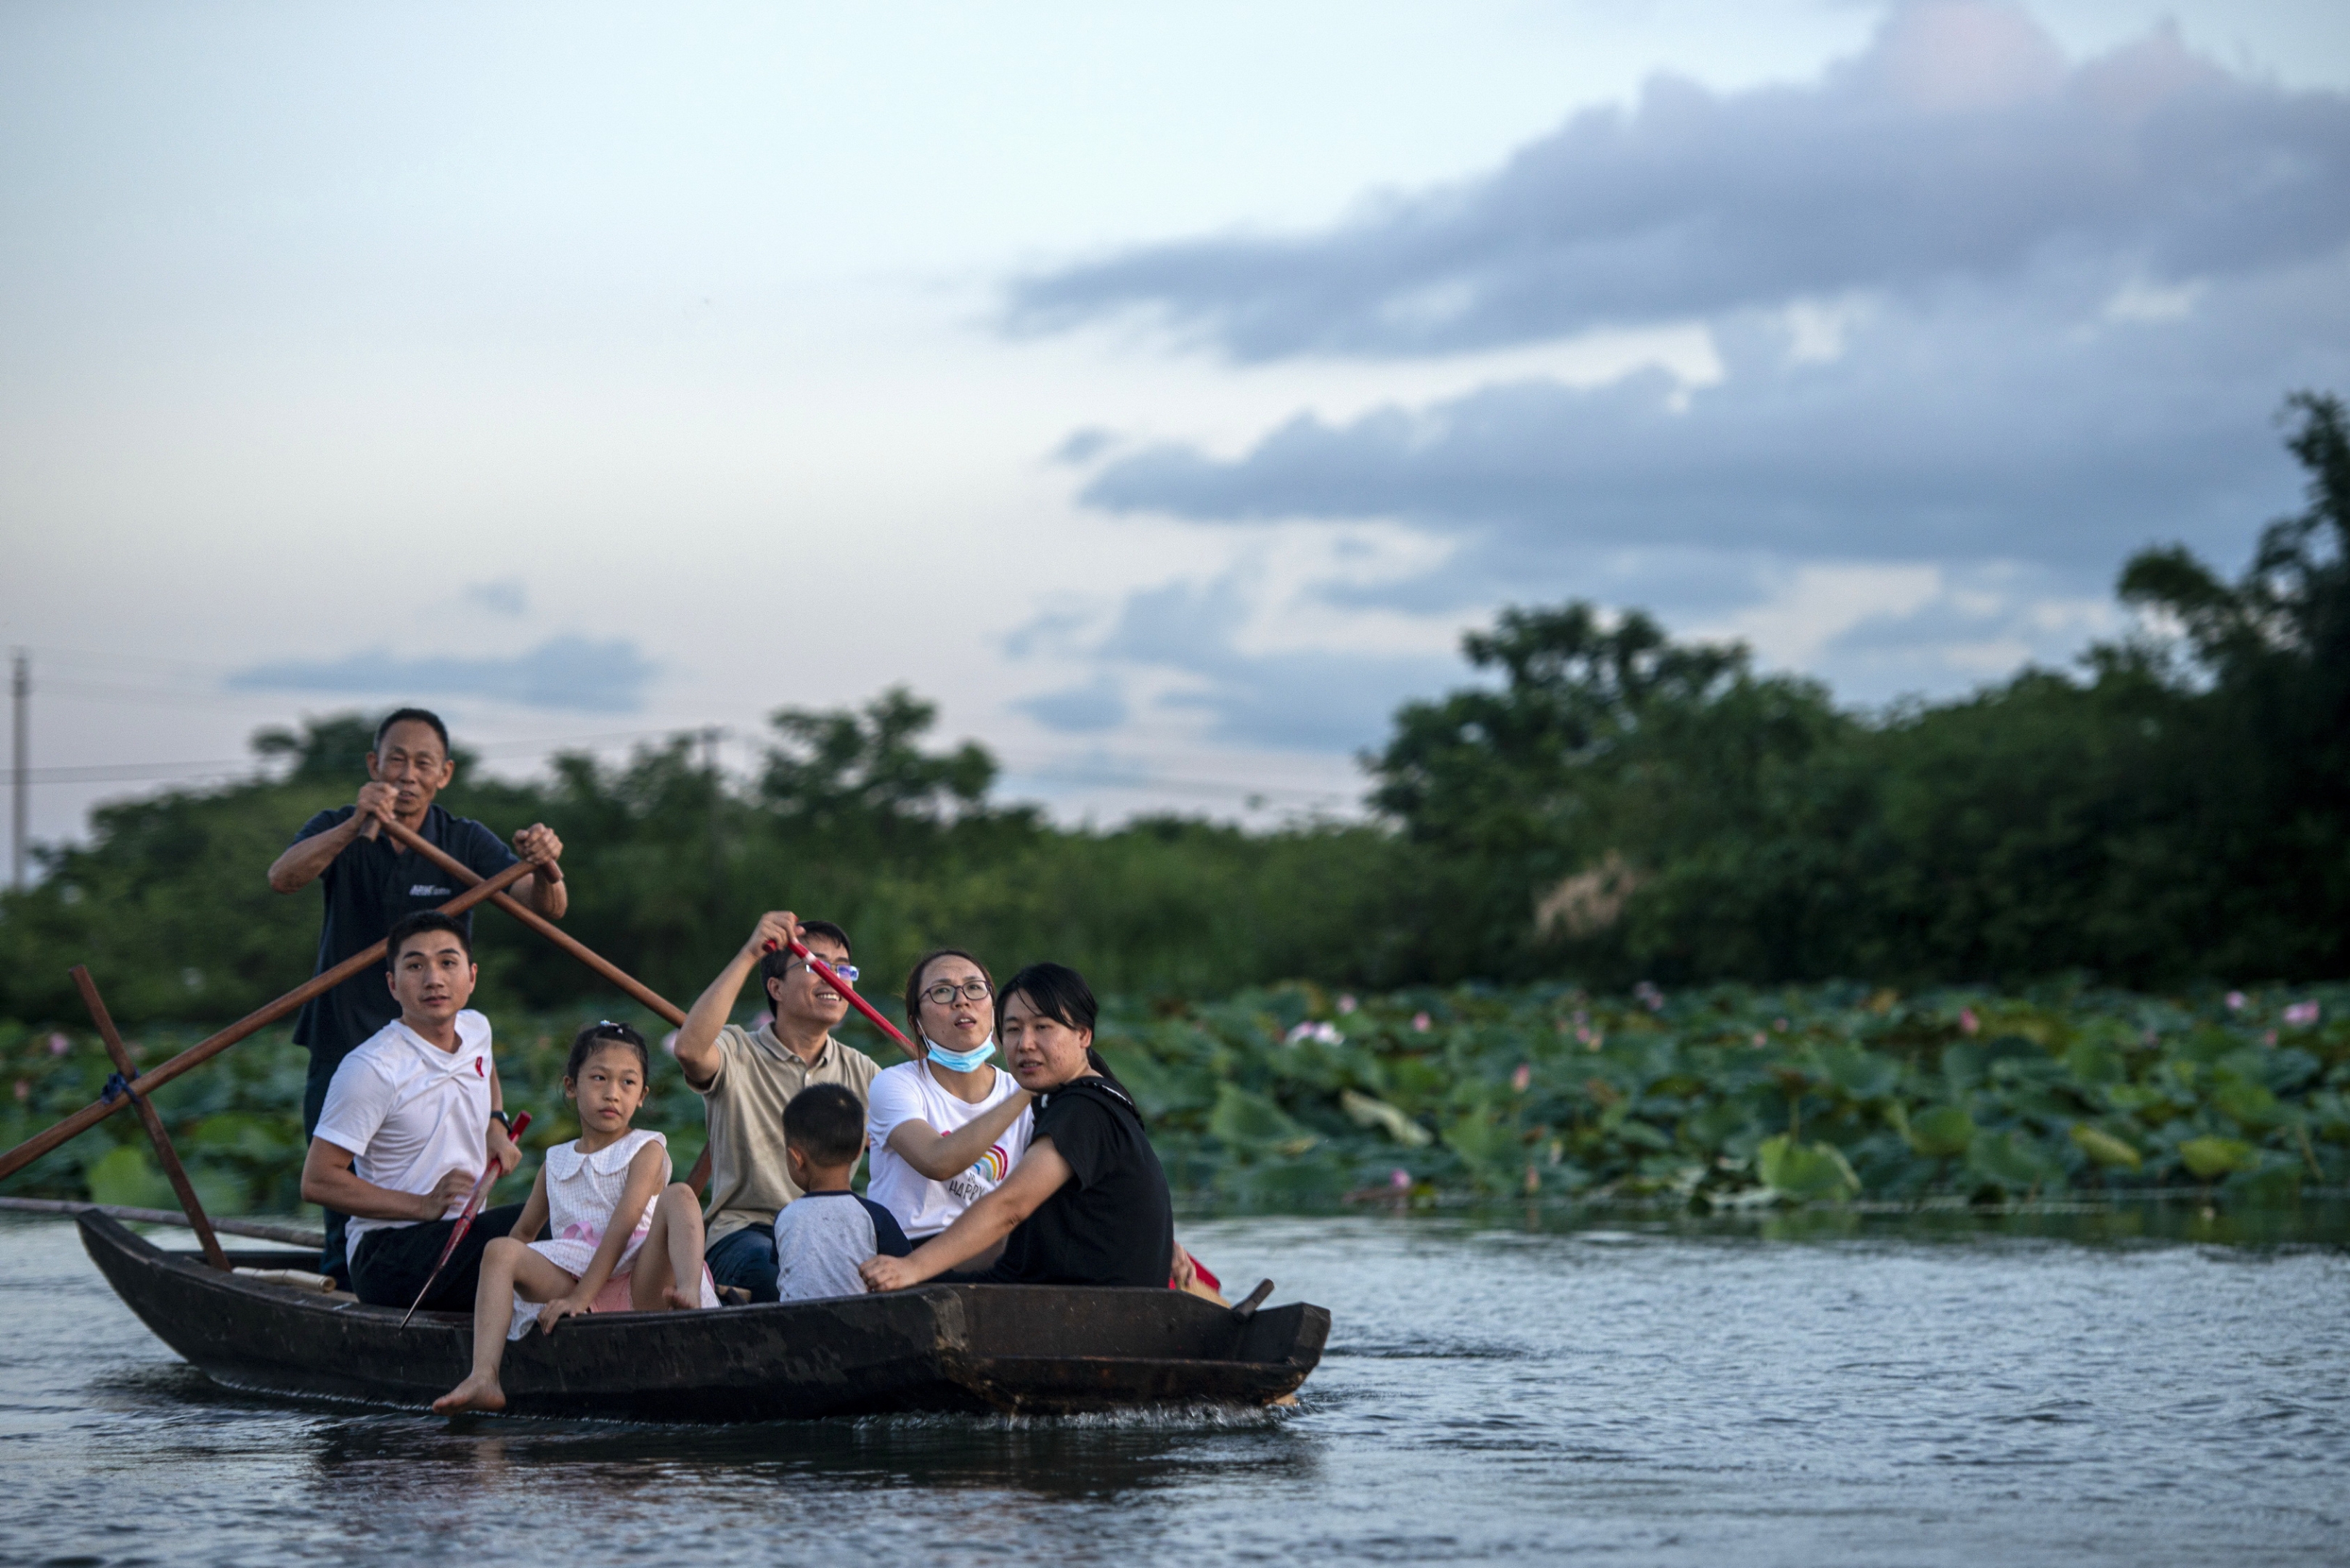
[1304, 699]
[1959, 147]
[565, 672]
[1977, 426]
[506, 597]
[1086, 709]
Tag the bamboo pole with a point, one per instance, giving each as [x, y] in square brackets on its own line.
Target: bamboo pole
[260, 1229]
[203, 1051]
[172, 1169]
[538, 922]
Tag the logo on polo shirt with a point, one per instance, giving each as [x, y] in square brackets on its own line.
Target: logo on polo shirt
[479, 1070]
[426, 890]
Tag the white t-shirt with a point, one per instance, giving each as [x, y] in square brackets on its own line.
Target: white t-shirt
[907, 1092]
[412, 1112]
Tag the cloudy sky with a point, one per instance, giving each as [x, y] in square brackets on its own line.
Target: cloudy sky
[1162, 392]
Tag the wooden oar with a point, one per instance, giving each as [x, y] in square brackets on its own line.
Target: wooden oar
[203, 1051]
[538, 922]
[125, 1070]
[698, 1178]
[823, 972]
[465, 1220]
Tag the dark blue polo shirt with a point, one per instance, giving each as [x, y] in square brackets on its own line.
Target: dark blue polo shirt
[370, 886]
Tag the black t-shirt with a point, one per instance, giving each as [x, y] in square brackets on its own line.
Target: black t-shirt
[1111, 1223]
[370, 886]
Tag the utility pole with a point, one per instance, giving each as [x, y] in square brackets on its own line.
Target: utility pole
[20, 695]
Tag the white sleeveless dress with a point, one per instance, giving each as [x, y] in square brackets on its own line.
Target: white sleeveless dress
[582, 1191]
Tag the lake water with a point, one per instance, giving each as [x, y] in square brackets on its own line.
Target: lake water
[1822, 1390]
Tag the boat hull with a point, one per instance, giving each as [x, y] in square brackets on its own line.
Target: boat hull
[1044, 1349]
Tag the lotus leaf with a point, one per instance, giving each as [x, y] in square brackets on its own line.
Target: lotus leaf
[2094, 1063]
[1860, 1074]
[1804, 1170]
[1941, 1132]
[2011, 1158]
[1496, 1152]
[2212, 1158]
[2267, 1181]
[1367, 1112]
[2104, 1148]
[125, 1175]
[1246, 1121]
[2247, 1104]
[1716, 1123]
[1631, 1129]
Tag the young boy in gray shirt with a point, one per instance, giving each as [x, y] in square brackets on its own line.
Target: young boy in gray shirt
[824, 1234]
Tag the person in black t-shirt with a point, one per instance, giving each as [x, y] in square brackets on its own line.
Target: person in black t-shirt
[1087, 1204]
[372, 883]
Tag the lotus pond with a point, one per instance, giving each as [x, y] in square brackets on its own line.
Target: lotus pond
[1297, 1097]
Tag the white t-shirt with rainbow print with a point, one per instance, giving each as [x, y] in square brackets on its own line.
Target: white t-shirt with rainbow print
[907, 1092]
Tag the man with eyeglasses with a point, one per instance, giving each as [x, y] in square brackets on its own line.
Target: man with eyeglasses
[746, 1076]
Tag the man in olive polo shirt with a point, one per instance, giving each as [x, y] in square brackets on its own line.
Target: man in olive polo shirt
[747, 1077]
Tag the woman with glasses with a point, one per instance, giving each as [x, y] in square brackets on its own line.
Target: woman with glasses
[1090, 1205]
[946, 1129]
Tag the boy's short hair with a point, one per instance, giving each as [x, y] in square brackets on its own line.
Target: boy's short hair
[826, 1123]
[417, 924]
[773, 965]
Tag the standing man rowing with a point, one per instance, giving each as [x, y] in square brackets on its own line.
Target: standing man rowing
[372, 883]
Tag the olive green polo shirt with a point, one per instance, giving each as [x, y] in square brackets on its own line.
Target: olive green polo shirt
[757, 1077]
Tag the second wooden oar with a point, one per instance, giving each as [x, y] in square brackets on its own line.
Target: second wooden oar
[203, 1051]
[465, 1220]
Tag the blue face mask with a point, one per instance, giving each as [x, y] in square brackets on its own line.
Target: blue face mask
[960, 1061]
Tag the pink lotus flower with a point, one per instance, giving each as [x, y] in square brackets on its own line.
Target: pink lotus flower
[1523, 1076]
[59, 1044]
[23, 1088]
[2301, 1014]
[1421, 1023]
[1400, 1180]
[1649, 996]
[1327, 1033]
[1760, 1039]
[2235, 1001]
[1967, 1022]
[2269, 1038]
[1346, 1002]
[1779, 1025]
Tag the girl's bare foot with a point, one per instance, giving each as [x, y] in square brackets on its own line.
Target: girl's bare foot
[479, 1392]
[678, 1300]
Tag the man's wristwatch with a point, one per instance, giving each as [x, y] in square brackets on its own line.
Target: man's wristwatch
[503, 1120]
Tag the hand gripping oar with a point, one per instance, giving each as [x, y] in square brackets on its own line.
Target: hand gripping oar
[823, 972]
[465, 1220]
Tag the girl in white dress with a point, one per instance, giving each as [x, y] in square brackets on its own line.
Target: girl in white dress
[607, 1198]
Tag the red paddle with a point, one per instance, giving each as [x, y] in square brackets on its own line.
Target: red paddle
[823, 972]
[465, 1220]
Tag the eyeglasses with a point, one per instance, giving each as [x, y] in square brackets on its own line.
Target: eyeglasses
[847, 971]
[945, 992]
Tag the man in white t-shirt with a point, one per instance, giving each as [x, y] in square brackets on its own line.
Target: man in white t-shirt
[946, 1129]
[413, 1118]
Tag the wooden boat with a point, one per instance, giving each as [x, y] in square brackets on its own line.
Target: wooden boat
[978, 1349]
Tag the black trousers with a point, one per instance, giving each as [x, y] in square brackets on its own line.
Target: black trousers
[324, 1060]
[388, 1267]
